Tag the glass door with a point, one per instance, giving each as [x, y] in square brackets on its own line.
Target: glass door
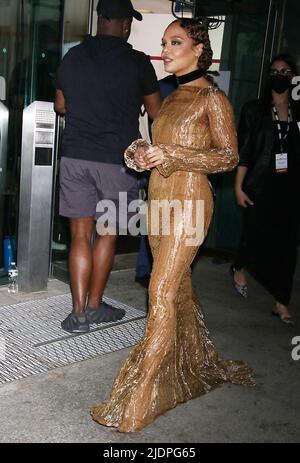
[30, 50]
[247, 47]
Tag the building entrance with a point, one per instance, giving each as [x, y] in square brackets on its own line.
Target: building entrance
[35, 34]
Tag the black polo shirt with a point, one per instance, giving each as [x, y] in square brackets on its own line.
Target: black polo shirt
[103, 81]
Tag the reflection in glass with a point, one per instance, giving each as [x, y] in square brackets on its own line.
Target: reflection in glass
[30, 50]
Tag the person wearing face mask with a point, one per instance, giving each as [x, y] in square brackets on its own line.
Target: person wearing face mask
[267, 187]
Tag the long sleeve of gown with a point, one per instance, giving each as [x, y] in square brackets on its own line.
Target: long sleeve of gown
[130, 152]
[220, 156]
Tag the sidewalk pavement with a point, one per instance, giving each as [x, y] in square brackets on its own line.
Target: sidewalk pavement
[54, 406]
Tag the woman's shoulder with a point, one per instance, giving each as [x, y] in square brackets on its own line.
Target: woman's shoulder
[215, 98]
[212, 89]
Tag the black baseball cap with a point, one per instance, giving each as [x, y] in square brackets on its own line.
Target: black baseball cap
[117, 9]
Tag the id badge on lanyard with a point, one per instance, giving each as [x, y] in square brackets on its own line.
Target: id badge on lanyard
[281, 159]
[281, 163]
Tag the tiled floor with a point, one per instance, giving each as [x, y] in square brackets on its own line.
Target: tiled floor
[35, 342]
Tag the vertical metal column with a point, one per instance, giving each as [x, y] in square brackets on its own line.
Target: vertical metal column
[4, 116]
[36, 185]
[91, 16]
[270, 27]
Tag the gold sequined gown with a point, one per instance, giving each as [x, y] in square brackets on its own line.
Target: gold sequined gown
[176, 361]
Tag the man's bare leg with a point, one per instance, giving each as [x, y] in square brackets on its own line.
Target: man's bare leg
[81, 260]
[80, 266]
[103, 259]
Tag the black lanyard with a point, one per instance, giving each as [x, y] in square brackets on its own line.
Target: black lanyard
[281, 138]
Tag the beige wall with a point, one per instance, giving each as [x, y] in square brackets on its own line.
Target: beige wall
[147, 34]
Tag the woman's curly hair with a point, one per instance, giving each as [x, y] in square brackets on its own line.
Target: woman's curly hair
[196, 31]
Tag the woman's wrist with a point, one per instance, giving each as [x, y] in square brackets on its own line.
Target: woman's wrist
[238, 189]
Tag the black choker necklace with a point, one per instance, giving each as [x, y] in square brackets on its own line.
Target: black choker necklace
[190, 76]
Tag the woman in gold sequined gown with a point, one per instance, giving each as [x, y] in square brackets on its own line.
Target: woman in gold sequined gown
[194, 135]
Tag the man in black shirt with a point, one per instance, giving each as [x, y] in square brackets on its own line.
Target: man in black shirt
[101, 85]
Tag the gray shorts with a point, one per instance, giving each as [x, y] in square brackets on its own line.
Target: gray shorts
[83, 184]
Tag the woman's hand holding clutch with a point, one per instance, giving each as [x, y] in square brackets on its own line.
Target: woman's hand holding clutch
[154, 157]
[140, 158]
